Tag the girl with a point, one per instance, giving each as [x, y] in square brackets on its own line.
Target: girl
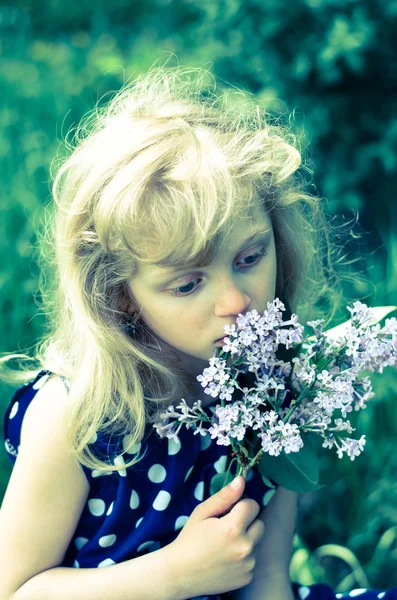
[175, 214]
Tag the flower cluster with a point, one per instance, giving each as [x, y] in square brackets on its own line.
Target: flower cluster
[312, 393]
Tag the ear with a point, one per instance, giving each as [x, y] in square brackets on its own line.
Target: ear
[126, 302]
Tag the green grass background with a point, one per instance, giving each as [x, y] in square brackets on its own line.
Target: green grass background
[331, 62]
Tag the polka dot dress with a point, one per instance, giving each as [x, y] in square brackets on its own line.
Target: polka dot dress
[143, 508]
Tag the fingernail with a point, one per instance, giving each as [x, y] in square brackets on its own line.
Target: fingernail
[236, 482]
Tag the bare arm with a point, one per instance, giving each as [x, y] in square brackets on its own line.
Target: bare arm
[271, 576]
[143, 578]
[42, 506]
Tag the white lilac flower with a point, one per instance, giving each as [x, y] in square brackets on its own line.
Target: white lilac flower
[262, 327]
[325, 378]
[230, 329]
[292, 443]
[341, 425]
[282, 436]
[360, 313]
[327, 402]
[320, 397]
[350, 447]
[317, 326]
[213, 389]
[244, 320]
[390, 327]
[270, 417]
[207, 376]
[329, 442]
[168, 430]
[227, 415]
[216, 433]
[247, 336]
[238, 432]
[362, 393]
[270, 445]
[231, 346]
[226, 393]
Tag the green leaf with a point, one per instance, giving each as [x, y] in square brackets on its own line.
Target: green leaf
[219, 481]
[297, 471]
[380, 312]
[267, 481]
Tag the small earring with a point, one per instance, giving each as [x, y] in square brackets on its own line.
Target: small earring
[130, 326]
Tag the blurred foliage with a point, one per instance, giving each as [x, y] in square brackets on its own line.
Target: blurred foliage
[333, 63]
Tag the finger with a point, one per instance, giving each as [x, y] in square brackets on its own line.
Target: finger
[243, 513]
[256, 532]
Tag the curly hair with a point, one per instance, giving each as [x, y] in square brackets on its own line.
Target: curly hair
[174, 157]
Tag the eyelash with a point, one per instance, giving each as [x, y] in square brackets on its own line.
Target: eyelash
[175, 291]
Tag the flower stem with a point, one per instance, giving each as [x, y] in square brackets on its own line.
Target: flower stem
[244, 469]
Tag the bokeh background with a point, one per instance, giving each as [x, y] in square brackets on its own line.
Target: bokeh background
[333, 64]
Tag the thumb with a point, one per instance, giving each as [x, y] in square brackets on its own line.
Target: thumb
[219, 503]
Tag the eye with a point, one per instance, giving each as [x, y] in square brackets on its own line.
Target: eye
[190, 287]
[253, 258]
[184, 290]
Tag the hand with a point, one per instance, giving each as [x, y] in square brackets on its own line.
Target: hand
[215, 550]
[271, 576]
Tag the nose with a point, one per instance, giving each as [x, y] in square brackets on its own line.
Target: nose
[231, 300]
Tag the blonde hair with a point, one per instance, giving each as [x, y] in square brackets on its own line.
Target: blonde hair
[174, 159]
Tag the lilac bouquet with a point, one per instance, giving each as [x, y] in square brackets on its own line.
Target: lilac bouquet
[293, 406]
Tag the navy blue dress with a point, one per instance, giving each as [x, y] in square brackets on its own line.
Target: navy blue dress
[143, 508]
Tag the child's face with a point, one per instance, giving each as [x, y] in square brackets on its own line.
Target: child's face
[188, 309]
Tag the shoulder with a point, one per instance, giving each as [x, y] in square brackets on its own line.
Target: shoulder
[48, 410]
[44, 433]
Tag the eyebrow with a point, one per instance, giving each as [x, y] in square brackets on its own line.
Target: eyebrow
[171, 274]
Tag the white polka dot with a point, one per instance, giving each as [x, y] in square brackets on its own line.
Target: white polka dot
[96, 507]
[151, 546]
[338, 595]
[358, 592]
[162, 500]
[205, 441]
[119, 462]
[220, 464]
[174, 445]
[180, 522]
[93, 439]
[110, 509]
[40, 382]
[97, 473]
[199, 490]
[303, 592]
[381, 595]
[188, 473]
[14, 410]
[134, 500]
[76, 565]
[10, 448]
[267, 497]
[139, 521]
[129, 446]
[107, 540]
[157, 473]
[108, 562]
[80, 542]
